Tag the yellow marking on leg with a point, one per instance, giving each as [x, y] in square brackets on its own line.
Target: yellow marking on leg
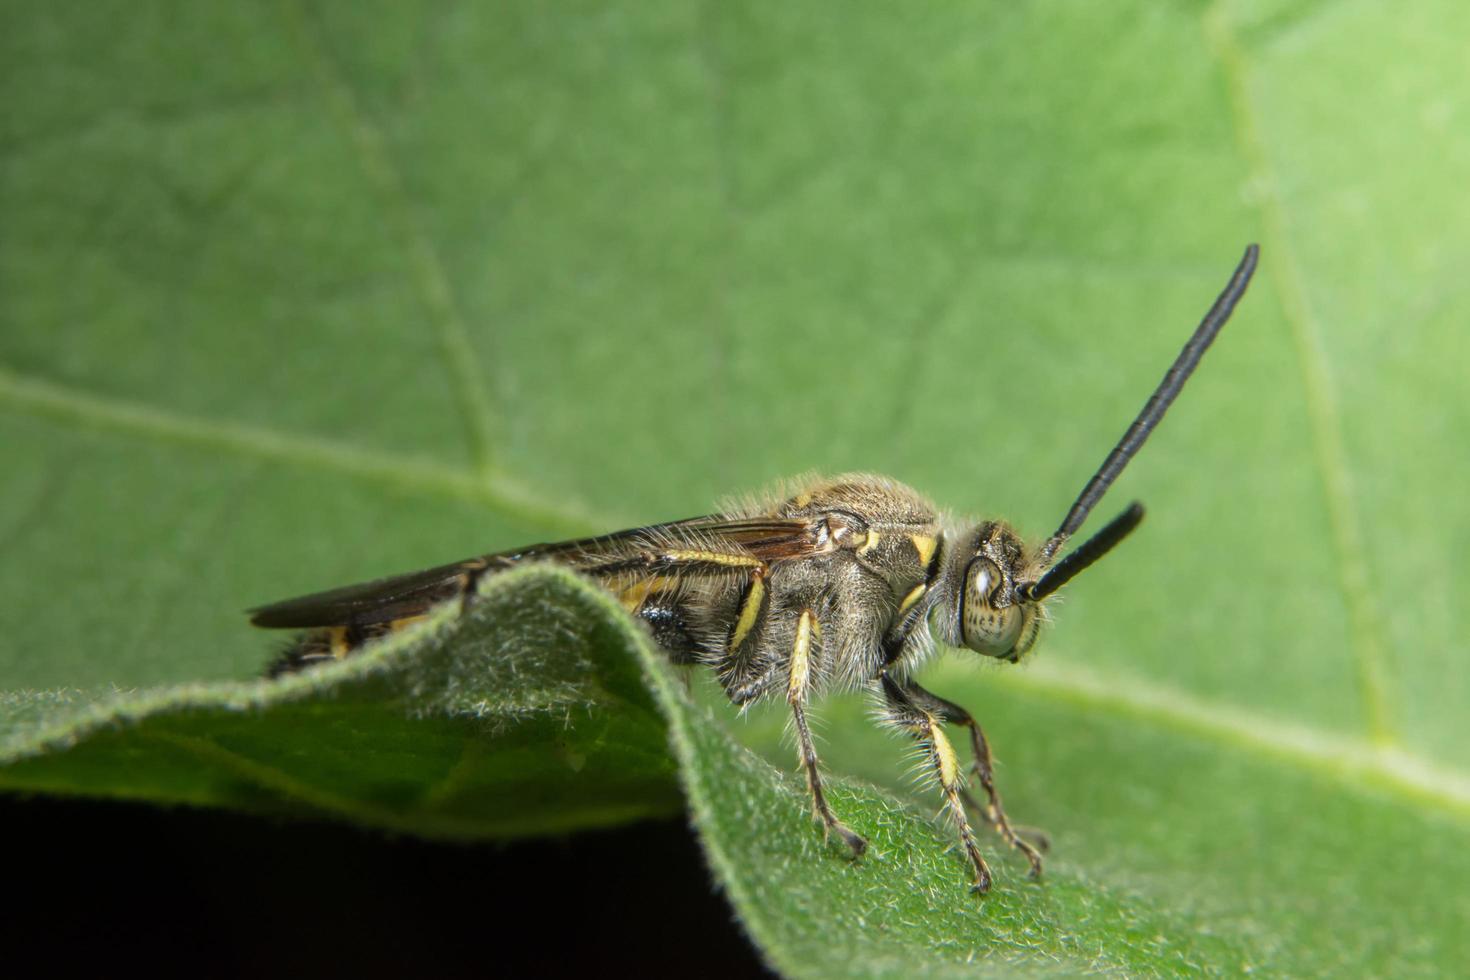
[337, 642]
[635, 595]
[715, 558]
[944, 754]
[873, 538]
[750, 610]
[801, 653]
[915, 594]
[924, 544]
[800, 667]
[948, 764]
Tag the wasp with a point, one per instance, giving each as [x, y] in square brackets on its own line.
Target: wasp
[843, 583]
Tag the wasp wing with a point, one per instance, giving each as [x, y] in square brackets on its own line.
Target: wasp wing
[379, 601]
[698, 546]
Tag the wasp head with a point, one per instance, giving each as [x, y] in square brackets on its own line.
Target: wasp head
[1005, 586]
[996, 615]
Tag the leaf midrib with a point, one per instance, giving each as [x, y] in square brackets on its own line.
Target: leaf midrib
[1353, 762]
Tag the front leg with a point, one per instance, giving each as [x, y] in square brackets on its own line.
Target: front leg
[915, 717]
[983, 765]
[797, 683]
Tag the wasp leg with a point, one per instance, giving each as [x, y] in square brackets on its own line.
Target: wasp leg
[745, 672]
[323, 646]
[796, 692]
[915, 716]
[984, 769]
[306, 650]
[468, 584]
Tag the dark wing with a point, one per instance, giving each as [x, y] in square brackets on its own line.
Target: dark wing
[700, 545]
[380, 601]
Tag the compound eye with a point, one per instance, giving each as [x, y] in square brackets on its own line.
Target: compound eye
[989, 627]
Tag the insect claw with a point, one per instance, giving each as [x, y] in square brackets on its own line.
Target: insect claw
[851, 839]
[1036, 837]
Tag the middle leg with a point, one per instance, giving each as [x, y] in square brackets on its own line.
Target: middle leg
[797, 684]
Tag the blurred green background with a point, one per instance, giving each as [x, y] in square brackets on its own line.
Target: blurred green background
[298, 294]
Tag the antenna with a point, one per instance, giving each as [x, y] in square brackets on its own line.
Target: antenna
[1091, 550]
[1133, 440]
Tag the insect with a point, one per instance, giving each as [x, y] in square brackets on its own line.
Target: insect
[845, 583]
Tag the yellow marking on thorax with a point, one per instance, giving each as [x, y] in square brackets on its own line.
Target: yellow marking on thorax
[949, 763]
[924, 544]
[406, 621]
[801, 652]
[873, 538]
[749, 610]
[337, 642]
[915, 594]
[715, 558]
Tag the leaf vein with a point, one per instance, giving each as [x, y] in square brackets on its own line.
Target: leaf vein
[1366, 629]
[470, 389]
[1404, 775]
[44, 398]
[288, 787]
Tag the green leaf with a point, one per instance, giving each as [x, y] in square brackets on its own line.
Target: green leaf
[501, 724]
[477, 726]
[299, 294]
